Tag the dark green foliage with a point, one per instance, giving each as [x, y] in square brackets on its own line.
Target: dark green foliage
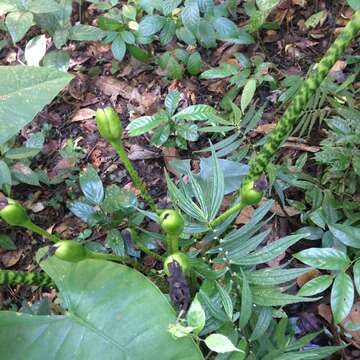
[25, 278]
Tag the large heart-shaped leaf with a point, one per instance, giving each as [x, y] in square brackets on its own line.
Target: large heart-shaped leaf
[113, 312]
[24, 91]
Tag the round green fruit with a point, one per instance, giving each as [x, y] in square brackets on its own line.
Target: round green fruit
[171, 222]
[250, 196]
[13, 213]
[181, 259]
[70, 250]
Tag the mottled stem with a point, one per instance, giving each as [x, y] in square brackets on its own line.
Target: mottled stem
[11, 277]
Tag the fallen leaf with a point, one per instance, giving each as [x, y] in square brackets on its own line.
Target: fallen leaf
[245, 215]
[83, 114]
[169, 154]
[113, 87]
[353, 317]
[304, 278]
[279, 211]
[10, 258]
[137, 152]
[325, 312]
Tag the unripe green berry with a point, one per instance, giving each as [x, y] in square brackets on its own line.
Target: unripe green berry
[171, 222]
[70, 250]
[249, 195]
[13, 213]
[181, 259]
[109, 124]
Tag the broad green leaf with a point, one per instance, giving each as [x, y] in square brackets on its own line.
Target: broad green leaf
[112, 311]
[172, 101]
[139, 53]
[115, 242]
[206, 34]
[167, 32]
[43, 6]
[150, 25]
[91, 185]
[117, 199]
[188, 131]
[356, 271]
[18, 23]
[194, 64]
[316, 285]
[186, 36]
[196, 316]
[118, 48]
[24, 91]
[83, 32]
[83, 211]
[354, 4]
[348, 235]
[21, 153]
[220, 72]
[35, 50]
[190, 16]
[246, 302]
[265, 296]
[266, 5]
[143, 124]
[220, 343]
[274, 276]
[315, 354]
[195, 112]
[24, 174]
[225, 28]
[57, 59]
[6, 242]
[270, 251]
[342, 297]
[5, 175]
[325, 258]
[314, 20]
[248, 94]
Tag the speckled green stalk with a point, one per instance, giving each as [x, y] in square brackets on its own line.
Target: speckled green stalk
[138, 183]
[285, 125]
[11, 277]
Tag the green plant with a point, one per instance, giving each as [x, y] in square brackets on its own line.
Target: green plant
[246, 74]
[195, 22]
[181, 259]
[173, 63]
[120, 29]
[12, 277]
[171, 126]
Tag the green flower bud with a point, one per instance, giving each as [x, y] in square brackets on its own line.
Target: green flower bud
[249, 194]
[171, 222]
[13, 213]
[109, 124]
[181, 259]
[70, 250]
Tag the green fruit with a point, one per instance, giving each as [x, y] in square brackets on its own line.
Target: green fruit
[181, 259]
[13, 213]
[250, 196]
[109, 124]
[171, 222]
[70, 250]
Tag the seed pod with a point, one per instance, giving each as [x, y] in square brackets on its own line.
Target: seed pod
[13, 213]
[181, 259]
[70, 250]
[249, 194]
[109, 124]
[171, 222]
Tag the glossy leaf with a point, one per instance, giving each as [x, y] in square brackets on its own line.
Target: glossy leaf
[247, 94]
[112, 311]
[143, 124]
[18, 23]
[356, 271]
[325, 258]
[220, 343]
[172, 101]
[348, 235]
[316, 285]
[195, 112]
[246, 302]
[91, 185]
[342, 297]
[315, 354]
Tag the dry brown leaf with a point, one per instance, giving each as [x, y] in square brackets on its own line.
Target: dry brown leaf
[83, 114]
[265, 128]
[325, 312]
[138, 152]
[113, 87]
[304, 278]
[300, 146]
[301, 3]
[245, 216]
[169, 154]
[353, 317]
[10, 258]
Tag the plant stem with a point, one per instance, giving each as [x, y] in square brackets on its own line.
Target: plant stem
[122, 259]
[119, 148]
[259, 162]
[12, 277]
[226, 214]
[145, 250]
[172, 242]
[38, 230]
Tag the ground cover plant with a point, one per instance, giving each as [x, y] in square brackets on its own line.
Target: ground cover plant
[142, 209]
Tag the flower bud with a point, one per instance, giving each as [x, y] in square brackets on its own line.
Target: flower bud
[109, 124]
[13, 213]
[70, 250]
